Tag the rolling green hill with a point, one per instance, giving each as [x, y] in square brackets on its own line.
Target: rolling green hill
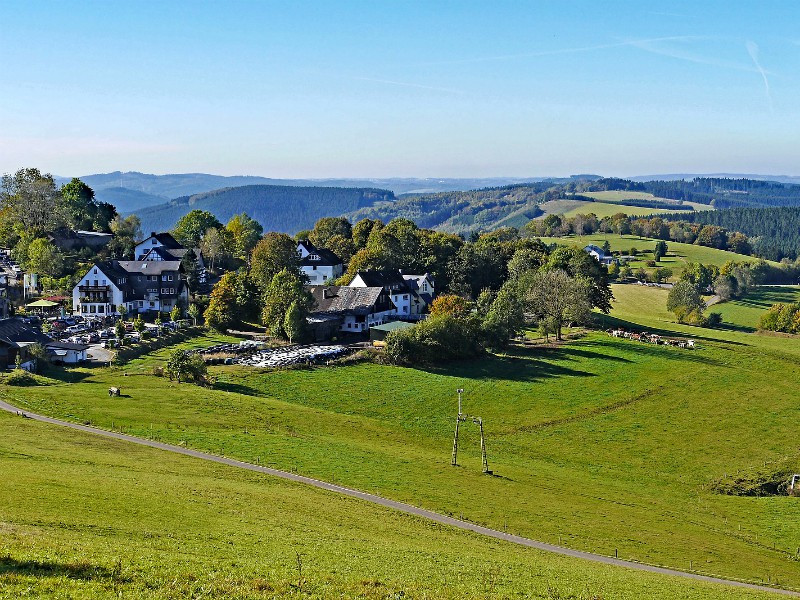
[104, 519]
[278, 208]
[600, 444]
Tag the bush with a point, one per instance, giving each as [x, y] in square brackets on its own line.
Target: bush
[20, 377]
[713, 319]
[437, 339]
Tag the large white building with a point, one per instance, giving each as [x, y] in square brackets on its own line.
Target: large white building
[141, 286]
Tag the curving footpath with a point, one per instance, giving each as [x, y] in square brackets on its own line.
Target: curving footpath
[400, 506]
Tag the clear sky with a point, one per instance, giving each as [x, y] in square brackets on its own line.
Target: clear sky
[409, 89]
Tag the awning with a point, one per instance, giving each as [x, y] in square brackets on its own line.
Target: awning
[42, 304]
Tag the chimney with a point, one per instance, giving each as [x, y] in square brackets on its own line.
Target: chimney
[152, 234]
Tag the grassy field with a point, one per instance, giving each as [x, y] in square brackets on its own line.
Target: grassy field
[676, 258]
[570, 208]
[746, 312]
[600, 444]
[85, 517]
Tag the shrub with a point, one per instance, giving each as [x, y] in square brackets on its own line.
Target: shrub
[21, 377]
[437, 339]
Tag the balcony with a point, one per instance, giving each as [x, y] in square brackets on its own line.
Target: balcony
[94, 288]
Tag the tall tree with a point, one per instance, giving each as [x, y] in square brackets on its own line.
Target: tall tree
[327, 227]
[245, 233]
[273, 253]
[555, 295]
[44, 258]
[126, 232]
[285, 289]
[191, 227]
[221, 312]
[32, 202]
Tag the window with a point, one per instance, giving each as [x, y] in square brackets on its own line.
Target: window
[313, 257]
[405, 296]
[154, 241]
[96, 283]
[91, 308]
[101, 308]
[424, 287]
[140, 303]
[314, 267]
[95, 271]
[152, 304]
[171, 290]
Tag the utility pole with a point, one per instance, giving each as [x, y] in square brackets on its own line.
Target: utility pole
[458, 421]
[477, 421]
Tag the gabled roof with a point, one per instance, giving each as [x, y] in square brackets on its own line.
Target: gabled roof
[162, 252]
[344, 299]
[390, 280]
[66, 346]
[15, 333]
[148, 267]
[326, 257]
[111, 269]
[415, 281]
[165, 239]
[593, 248]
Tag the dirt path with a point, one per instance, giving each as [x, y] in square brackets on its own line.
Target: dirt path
[400, 506]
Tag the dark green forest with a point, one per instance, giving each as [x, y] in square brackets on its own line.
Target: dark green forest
[278, 208]
[773, 232]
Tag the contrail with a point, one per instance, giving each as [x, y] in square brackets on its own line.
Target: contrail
[752, 50]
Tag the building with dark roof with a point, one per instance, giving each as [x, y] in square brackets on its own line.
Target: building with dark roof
[356, 308]
[411, 294]
[140, 286]
[319, 264]
[15, 339]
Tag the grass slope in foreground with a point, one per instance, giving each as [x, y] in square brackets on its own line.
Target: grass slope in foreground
[600, 445]
[85, 517]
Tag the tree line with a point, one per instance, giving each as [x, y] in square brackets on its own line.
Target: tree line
[494, 273]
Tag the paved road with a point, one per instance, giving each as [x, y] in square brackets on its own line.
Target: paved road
[400, 506]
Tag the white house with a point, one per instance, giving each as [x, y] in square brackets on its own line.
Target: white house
[357, 308]
[66, 352]
[162, 246]
[599, 254]
[318, 264]
[411, 294]
[140, 286]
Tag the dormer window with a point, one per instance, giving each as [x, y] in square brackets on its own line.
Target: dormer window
[313, 256]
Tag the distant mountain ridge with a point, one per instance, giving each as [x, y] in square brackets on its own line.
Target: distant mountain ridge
[132, 191]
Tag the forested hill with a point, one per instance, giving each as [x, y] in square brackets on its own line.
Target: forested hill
[715, 191]
[462, 212]
[278, 208]
[514, 205]
[774, 232]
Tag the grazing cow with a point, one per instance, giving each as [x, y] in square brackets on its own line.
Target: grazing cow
[690, 344]
[114, 391]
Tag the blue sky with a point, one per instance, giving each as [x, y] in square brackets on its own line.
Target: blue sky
[405, 89]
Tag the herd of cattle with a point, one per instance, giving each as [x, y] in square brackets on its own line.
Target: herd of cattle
[651, 338]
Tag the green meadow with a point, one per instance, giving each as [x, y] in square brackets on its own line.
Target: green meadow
[570, 208]
[600, 444]
[677, 257]
[85, 517]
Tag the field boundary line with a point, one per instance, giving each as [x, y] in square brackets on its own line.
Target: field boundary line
[393, 504]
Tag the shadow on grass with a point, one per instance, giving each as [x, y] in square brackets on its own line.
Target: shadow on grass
[609, 322]
[81, 570]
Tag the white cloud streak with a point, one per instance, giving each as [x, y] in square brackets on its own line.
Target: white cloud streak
[556, 52]
[752, 50]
